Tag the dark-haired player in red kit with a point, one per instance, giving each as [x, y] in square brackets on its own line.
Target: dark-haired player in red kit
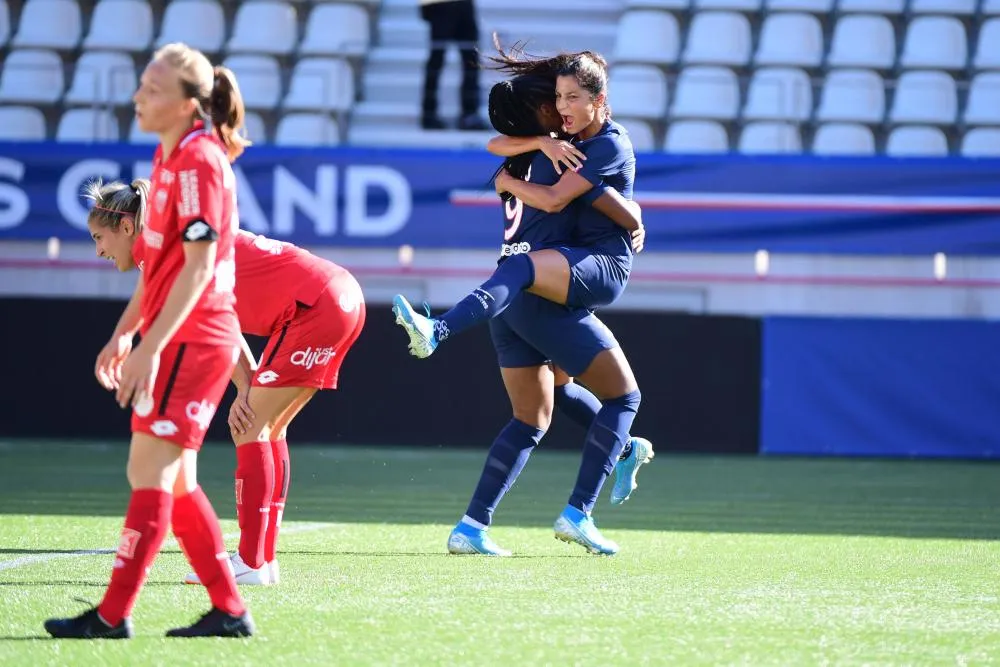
[174, 379]
[313, 311]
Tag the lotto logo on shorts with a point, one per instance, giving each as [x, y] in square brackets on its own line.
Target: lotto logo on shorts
[200, 413]
[128, 542]
[508, 249]
[164, 428]
[309, 357]
[189, 205]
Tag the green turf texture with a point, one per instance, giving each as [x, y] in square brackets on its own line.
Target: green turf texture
[724, 561]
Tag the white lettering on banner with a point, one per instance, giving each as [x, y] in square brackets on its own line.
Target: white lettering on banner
[357, 220]
[14, 202]
[251, 215]
[200, 413]
[309, 357]
[290, 194]
[68, 199]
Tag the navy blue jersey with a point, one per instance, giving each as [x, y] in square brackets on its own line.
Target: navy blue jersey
[610, 162]
[528, 228]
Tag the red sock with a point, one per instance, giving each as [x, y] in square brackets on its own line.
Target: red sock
[282, 475]
[197, 530]
[146, 525]
[254, 486]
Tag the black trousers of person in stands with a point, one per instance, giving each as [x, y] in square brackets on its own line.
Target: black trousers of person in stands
[451, 21]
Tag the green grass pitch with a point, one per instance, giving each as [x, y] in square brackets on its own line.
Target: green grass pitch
[725, 561]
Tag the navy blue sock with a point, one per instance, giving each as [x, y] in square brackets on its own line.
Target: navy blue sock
[577, 403]
[506, 459]
[490, 299]
[605, 441]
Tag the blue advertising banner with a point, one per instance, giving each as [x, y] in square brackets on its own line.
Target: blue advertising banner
[442, 199]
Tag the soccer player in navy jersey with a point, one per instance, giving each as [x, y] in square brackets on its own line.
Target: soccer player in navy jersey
[533, 331]
[584, 265]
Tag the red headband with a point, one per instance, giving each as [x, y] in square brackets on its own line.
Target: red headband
[107, 210]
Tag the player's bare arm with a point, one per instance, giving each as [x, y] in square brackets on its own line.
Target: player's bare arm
[561, 153]
[624, 213]
[108, 368]
[548, 198]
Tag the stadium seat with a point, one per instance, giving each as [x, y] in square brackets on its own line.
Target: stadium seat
[706, 92]
[935, 41]
[762, 138]
[852, 95]
[648, 36]
[21, 124]
[983, 107]
[814, 6]
[103, 77]
[990, 7]
[32, 75]
[264, 26]
[199, 23]
[307, 129]
[981, 142]
[696, 136]
[137, 136]
[863, 41]
[925, 97]
[673, 5]
[256, 130]
[120, 25]
[790, 39]
[779, 93]
[87, 125]
[259, 78]
[718, 38]
[843, 139]
[321, 84]
[4, 23]
[942, 6]
[336, 29]
[988, 50]
[735, 5]
[916, 141]
[638, 91]
[873, 6]
[641, 134]
[49, 24]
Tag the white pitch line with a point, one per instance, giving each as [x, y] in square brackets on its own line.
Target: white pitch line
[43, 558]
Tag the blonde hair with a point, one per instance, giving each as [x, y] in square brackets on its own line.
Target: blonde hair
[116, 200]
[214, 89]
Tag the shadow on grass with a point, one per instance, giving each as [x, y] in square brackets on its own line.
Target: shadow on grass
[920, 499]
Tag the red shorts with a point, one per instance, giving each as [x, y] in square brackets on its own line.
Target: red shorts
[309, 348]
[190, 382]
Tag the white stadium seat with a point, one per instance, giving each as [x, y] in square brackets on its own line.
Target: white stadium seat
[765, 138]
[852, 95]
[736, 5]
[21, 124]
[87, 125]
[32, 75]
[779, 93]
[916, 141]
[706, 92]
[638, 91]
[336, 29]
[983, 107]
[718, 38]
[198, 23]
[5, 27]
[102, 77]
[988, 50]
[49, 24]
[696, 136]
[306, 129]
[843, 139]
[872, 6]
[264, 26]
[936, 42]
[321, 84]
[640, 133]
[121, 25]
[981, 142]
[259, 78]
[815, 6]
[943, 6]
[790, 39]
[925, 97]
[863, 41]
[648, 36]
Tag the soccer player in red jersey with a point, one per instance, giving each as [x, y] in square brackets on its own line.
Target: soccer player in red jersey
[184, 307]
[312, 309]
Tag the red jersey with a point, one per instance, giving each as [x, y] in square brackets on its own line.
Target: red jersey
[193, 197]
[271, 276]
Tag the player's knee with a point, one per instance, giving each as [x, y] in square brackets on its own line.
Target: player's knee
[539, 417]
[143, 473]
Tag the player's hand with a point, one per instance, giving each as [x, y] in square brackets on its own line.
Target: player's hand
[138, 375]
[108, 368]
[638, 239]
[562, 154]
[240, 415]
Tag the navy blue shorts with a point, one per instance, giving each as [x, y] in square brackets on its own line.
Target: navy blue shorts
[596, 279]
[533, 331]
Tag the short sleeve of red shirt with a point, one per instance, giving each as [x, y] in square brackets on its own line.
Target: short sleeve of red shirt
[200, 195]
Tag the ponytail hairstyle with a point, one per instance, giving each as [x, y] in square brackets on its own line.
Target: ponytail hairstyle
[116, 200]
[513, 107]
[220, 104]
[591, 72]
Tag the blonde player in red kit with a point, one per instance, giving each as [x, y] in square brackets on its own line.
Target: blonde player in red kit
[174, 379]
[311, 309]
